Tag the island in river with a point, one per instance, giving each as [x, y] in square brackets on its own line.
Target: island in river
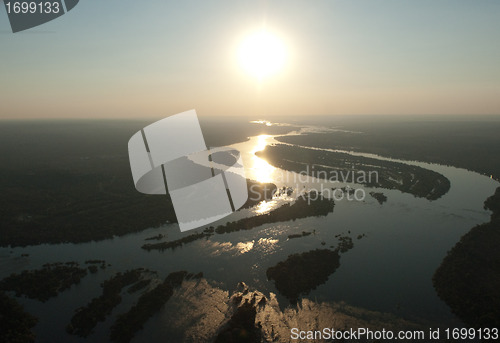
[468, 279]
[342, 167]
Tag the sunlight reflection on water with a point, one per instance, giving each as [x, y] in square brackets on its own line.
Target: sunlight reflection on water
[244, 247]
[265, 207]
[261, 170]
[267, 245]
[240, 248]
[263, 245]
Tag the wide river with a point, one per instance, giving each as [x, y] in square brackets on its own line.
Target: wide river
[389, 270]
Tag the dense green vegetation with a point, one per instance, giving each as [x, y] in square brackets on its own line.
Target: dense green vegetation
[310, 204]
[127, 324]
[155, 238]
[337, 166]
[15, 324]
[301, 273]
[93, 265]
[70, 181]
[468, 279]
[345, 243]
[43, 284]
[178, 242]
[86, 318]
[57, 207]
[380, 197]
[448, 140]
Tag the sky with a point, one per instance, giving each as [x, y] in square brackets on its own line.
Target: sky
[150, 59]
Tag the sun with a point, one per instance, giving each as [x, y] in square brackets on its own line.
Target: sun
[262, 54]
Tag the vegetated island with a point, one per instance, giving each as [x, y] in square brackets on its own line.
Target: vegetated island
[15, 323]
[298, 235]
[86, 318]
[302, 272]
[371, 172]
[127, 324]
[158, 237]
[468, 279]
[93, 265]
[380, 197]
[310, 204]
[43, 284]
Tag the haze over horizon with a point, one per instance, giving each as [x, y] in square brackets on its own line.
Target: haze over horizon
[127, 59]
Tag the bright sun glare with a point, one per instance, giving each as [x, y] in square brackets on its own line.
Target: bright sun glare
[262, 54]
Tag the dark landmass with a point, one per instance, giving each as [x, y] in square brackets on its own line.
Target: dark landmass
[86, 318]
[468, 279]
[141, 284]
[337, 166]
[43, 284]
[102, 262]
[345, 244]
[93, 265]
[70, 181]
[86, 213]
[347, 190]
[380, 197]
[178, 242]
[298, 235]
[127, 324]
[448, 140]
[258, 192]
[15, 323]
[155, 238]
[301, 273]
[284, 191]
[58, 207]
[307, 205]
[310, 204]
[241, 327]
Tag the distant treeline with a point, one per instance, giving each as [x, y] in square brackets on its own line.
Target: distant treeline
[470, 144]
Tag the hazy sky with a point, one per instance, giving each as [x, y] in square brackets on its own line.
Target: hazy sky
[124, 58]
